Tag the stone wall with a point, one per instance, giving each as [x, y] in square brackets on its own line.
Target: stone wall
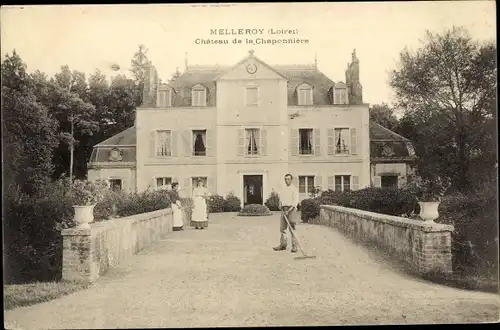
[89, 253]
[425, 246]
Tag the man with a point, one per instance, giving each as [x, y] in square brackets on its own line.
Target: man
[289, 200]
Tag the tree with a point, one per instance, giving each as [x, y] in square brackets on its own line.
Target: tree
[384, 115]
[71, 109]
[140, 62]
[450, 83]
[28, 130]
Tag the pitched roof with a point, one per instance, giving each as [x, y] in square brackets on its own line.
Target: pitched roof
[381, 133]
[126, 137]
[299, 74]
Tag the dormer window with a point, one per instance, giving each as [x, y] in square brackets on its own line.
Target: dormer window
[164, 97]
[305, 94]
[198, 96]
[340, 93]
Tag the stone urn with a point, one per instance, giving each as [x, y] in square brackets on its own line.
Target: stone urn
[84, 215]
[429, 211]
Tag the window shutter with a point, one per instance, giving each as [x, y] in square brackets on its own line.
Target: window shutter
[153, 183]
[294, 142]
[354, 141]
[174, 143]
[152, 144]
[241, 142]
[377, 181]
[210, 142]
[355, 182]
[174, 179]
[186, 141]
[263, 142]
[331, 182]
[331, 142]
[318, 182]
[257, 141]
[211, 185]
[317, 142]
[187, 187]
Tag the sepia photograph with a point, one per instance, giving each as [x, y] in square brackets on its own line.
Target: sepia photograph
[249, 164]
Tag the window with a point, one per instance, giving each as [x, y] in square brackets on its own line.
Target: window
[199, 142]
[305, 141]
[252, 141]
[194, 181]
[164, 98]
[305, 96]
[199, 98]
[115, 184]
[341, 140]
[164, 143]
[306, 185]
[389, 181]
[252, 96]
[342, 182]
[340, 96]
[162, 182]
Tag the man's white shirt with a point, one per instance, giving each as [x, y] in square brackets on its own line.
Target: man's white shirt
[289, 196]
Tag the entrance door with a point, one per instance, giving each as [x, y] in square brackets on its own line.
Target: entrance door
[252, 189]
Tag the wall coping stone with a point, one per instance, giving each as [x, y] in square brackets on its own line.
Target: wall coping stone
[105, 225]
[393, 220]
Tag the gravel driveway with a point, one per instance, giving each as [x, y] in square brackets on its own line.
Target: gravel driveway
[228, 275]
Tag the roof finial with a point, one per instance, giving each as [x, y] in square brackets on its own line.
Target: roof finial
[315, 60]
[186, 62]
[354, 54]
[251, 51]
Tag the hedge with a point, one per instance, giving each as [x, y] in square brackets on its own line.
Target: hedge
[391, 201]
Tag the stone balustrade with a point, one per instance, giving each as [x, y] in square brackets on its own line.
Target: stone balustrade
[425, 246]
[89, 253]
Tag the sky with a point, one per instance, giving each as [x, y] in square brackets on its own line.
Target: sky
[94, 37]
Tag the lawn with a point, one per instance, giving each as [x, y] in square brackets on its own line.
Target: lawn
[18, 295]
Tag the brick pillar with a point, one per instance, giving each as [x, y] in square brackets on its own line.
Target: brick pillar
[434, 251]
[77, 256]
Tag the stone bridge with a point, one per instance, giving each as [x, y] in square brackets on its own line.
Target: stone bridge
[228, 275]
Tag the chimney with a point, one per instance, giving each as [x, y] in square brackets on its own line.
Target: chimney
[355, 89]
[150, 86]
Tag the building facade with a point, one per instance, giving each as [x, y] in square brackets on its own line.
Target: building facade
[241, 129]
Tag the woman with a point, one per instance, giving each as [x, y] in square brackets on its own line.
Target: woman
[176, 207]
[199, 219]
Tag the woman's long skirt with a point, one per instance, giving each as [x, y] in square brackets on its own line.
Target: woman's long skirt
[199, 218]
[177, 215]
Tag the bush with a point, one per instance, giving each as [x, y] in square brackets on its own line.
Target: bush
[309, 209]
[33, 241]
[215, 203]
[273, 202]
[188, 205]
[232, 203]
[475, 238]
[254, 210]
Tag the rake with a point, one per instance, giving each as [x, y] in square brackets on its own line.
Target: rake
[304, 256]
